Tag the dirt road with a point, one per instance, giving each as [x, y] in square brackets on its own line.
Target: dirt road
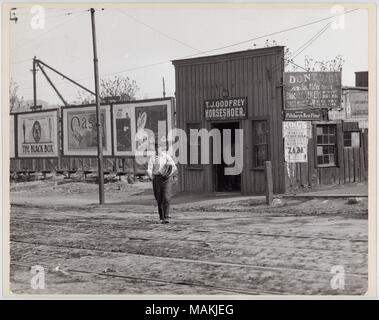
[220, 247]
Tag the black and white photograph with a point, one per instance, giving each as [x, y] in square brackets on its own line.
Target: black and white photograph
[189, 150]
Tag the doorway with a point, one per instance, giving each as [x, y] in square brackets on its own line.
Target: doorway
[221, 181]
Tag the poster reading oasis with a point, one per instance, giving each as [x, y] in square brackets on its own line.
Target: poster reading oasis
[80, 131]
[37, 134]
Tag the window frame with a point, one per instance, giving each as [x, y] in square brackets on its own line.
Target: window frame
[253, 142]
[336, 146]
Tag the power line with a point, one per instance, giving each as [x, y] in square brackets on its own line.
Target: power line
[231, 45]
[158, 31]
[227, 46]
[50, 30]
[312, 40]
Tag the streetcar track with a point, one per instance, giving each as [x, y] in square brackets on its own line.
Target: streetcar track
[202, 242]
[117, 226]
[182, 283]
[186, 260]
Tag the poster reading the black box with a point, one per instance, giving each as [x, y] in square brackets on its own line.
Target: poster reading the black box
[37, 134]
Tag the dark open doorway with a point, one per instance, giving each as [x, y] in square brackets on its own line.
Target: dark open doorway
[221, 181]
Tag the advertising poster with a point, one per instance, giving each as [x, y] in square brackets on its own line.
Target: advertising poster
[296, 134]
[358, 104]
[80, 131]
[123, 130]
[37, 134]
[312, 90]
[11, 137]
[147, 118]
[295, 150]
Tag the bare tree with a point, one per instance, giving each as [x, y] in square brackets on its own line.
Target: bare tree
[16, 103]
[120, 87]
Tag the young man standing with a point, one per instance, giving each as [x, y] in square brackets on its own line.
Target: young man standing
[161, 168]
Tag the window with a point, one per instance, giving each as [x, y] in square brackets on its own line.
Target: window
[326, 145]
[260, 143]
[347, 139]
[351, 139]
[193, 151]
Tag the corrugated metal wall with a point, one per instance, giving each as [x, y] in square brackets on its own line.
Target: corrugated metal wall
[255, 74]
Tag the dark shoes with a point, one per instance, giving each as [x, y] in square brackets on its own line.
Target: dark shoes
[164, 221]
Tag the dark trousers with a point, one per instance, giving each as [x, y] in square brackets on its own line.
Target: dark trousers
[162, 193]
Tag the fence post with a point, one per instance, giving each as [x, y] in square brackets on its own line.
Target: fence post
[269, 183]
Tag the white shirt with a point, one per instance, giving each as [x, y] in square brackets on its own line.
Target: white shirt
[160, 165]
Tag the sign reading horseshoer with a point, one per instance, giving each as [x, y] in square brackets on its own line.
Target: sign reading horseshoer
[304, 90]
[225, 109]
[37, 134]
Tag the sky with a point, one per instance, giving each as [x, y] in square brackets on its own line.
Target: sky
[140, 42]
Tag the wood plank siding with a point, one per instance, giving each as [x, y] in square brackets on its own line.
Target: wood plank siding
[254, 74]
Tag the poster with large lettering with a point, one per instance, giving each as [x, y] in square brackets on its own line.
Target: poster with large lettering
[123, 129]
[80, 131]
[37, 134]
[153, 121]
[11, 137]
[303, 90]
[296, 134]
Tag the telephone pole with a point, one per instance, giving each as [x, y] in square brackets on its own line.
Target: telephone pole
[164, 88]
[34, 83]
[98, 117]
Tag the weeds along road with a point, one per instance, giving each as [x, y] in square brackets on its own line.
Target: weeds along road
[228, 248]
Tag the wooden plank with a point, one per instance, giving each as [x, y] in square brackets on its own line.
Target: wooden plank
[340, 152]
[346, 165]
[356, 164]
[351, 164]
[269, 183]
[362, 165]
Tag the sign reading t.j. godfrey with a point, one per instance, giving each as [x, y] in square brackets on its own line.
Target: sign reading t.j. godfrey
[37, 134]
[225, 109]
[312, 90]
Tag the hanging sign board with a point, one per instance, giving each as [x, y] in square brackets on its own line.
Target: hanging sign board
[225, 109]
[37, 134]
[80, 131]
[304, 90]
[306, 114]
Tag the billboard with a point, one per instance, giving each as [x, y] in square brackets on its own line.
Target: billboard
[124, 129]
[11, 137]
[37, 134]
[312, 90]
[80, 130]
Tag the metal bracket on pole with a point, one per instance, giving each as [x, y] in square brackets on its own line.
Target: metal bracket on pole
[67, 78]
[51, 83]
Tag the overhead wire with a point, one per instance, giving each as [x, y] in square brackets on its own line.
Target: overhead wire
[318, 34]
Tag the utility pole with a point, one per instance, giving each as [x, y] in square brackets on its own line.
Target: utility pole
[98, 118]
[34, 83]
[164, 88]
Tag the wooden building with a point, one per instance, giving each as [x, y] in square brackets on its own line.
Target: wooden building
[206, 87]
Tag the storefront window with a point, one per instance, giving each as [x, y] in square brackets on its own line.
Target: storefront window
[326, 145]
[260, 143]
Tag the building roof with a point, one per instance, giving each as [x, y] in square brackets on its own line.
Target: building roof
[230, 55]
